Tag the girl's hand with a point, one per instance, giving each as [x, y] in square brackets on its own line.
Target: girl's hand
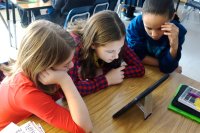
[115, 76]
[99, 72]
[172, 31]
[123, 63]
[50, 76]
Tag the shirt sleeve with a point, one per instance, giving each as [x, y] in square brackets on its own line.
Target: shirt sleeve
[167, 63]
[135, 37]
[87, 86]
[40, 104]
[134, 66]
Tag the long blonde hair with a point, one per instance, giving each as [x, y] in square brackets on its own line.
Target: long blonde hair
[43, 46]
[100, 29]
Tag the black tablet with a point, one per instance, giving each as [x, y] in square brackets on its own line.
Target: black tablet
[140, 96]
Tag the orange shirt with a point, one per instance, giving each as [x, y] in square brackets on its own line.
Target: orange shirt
[20, 98]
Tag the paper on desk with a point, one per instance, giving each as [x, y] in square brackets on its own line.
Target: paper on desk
[28, 127]
[11, 128]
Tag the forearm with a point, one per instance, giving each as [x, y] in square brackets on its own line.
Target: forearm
[167, 63]
[173, 51]
[86, 87]
[77, 106]
[148, 60]
[134, 66]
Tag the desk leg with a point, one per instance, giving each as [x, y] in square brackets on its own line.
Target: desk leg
[3, 21]
[177, 5]
[14, 25]
[147, 106]
[29, 16]
[8, 22]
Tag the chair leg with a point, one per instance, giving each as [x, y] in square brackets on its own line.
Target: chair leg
[119, 10]
[185, 13]
[3, 21]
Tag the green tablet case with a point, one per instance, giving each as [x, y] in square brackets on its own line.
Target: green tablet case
[182, 112]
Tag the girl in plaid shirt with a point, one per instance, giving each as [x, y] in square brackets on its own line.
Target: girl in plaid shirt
[102, 57]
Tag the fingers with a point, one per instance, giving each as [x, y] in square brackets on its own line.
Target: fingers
[169, 27]
[167, 33]
[121, 68]
[122, 76]
[43, 76]
[121, 72]
[123, 63]
[46, 72]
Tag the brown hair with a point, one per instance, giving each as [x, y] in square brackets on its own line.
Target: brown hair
[100, 29]
[43, 46]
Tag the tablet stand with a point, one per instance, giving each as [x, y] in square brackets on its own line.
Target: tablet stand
[146, 107]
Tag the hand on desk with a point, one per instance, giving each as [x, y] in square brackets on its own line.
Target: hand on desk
[115, 76]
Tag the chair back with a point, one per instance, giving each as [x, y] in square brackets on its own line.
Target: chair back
[79, 13]
[100, 5]
[193, 3]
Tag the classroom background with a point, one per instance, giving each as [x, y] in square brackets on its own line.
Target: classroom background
[190, 54]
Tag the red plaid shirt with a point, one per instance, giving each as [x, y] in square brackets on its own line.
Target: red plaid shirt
[134, 68]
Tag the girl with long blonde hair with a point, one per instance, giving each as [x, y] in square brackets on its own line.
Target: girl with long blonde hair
[44, 56]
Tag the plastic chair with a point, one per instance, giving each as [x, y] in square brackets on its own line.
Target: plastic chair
[100, 5]
[78, 13]
[127, 7]
[2, 18]
[193, 4]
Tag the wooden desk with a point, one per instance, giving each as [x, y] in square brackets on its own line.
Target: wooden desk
[103, 104]
[32, 5]
[26, 6]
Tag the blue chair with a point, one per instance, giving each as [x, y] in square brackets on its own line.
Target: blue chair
[127, 7]
[78, 13]
[193, 4]
[100, 5]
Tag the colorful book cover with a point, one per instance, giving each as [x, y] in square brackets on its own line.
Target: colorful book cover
[180, 111]
[26, 1]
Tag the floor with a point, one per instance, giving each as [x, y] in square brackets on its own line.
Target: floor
[190, 61]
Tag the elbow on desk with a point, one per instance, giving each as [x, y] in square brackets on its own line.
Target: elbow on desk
[141, 71]
[168, 69]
